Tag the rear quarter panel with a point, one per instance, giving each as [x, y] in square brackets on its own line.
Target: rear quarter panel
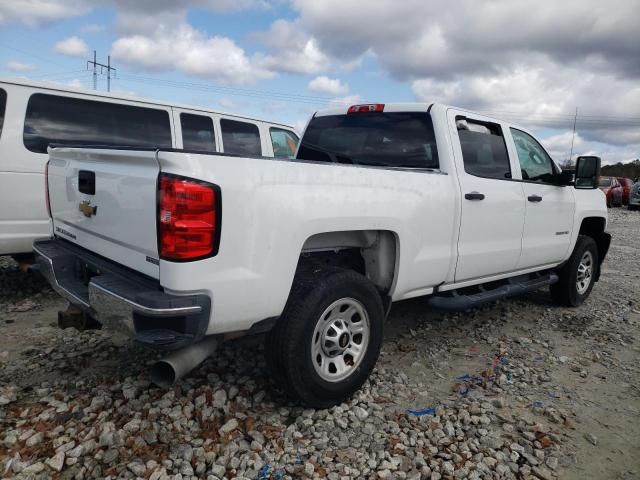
[271, 207]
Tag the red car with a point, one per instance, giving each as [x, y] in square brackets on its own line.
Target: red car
[613, 191]
[627, 186]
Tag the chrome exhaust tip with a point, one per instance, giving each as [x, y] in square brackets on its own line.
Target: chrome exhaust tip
[173, 367]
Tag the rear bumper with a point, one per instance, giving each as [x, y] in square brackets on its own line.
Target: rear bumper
[635, 201]
[122, 299]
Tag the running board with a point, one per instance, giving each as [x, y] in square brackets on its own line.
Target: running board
[456, 300]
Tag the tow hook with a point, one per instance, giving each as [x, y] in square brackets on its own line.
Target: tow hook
[78, 319]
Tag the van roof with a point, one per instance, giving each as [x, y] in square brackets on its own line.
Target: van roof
[23, 82]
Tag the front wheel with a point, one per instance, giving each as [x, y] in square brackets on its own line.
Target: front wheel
[578, 275]
[328, 339]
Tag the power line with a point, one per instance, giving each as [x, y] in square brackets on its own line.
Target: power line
[254, 93]
[318, 100]
[44, 59]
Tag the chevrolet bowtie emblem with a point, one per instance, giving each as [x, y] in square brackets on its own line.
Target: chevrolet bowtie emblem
[86, 208]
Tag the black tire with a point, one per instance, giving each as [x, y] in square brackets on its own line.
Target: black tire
[566, 291]
[631, 207]
[289, 343]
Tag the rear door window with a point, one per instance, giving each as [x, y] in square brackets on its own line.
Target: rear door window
[242, 138]
[74, 121]
[197, 132]
[484, 152]
[399, 139]
[284, 142]
[3, 105]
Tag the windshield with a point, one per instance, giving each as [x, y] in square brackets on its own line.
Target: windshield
[604, 182]
[387, 139]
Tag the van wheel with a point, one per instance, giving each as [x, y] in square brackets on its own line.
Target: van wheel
[578, 275]
[328, 339]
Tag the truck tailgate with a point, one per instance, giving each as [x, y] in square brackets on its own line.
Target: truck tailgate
[105, 201]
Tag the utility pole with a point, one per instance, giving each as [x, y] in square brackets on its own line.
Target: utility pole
[95, 77]
[103, 67]
[109, 74]
[575, 118]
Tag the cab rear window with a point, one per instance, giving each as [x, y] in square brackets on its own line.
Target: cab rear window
[402, 139]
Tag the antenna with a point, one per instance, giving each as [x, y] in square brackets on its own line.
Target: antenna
[575, 118]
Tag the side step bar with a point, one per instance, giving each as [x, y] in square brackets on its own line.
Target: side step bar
[456, 300]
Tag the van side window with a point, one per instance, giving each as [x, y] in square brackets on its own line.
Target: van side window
[75, 121]
[484, 151]
[284, 142]
[3, 104]
[535, 162]
[240, 137]
[197, 132]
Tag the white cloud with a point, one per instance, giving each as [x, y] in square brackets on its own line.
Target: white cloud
[72, 47]
[559, 147]
[188, 50]
[292, 50]
[532, 97]
[487, 58]
[75, 83]
[345, 101]
[38, 12]
[332, 86]
[20, 67]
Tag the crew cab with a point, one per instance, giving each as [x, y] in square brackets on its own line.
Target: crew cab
[383, 202]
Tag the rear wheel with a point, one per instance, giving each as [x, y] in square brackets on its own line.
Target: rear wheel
[578, 275]
[328, 339]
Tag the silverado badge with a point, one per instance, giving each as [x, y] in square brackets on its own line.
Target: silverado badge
[86, 208]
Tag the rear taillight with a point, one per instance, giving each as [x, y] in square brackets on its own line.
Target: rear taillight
[46, 188]
[189, 213]
[371, 107]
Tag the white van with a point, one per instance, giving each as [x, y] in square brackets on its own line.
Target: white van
[36, 114]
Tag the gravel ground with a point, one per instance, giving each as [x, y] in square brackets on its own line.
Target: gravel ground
[519, 389]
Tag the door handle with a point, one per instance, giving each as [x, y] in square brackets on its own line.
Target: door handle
[534, 198]
[474, 196]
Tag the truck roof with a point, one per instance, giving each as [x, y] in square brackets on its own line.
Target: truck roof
[413, 107]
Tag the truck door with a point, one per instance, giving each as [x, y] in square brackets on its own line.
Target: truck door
[550, 208]
[493, 205]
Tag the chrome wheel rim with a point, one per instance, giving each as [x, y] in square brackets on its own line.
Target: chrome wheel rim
[585, 273]
[340, 339]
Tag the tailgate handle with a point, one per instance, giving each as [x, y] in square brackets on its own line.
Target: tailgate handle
[87, 182]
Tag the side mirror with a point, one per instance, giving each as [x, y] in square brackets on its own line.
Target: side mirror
[587, 172]
[564, 178]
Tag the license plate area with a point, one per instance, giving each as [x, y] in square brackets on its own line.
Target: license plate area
[84, 271]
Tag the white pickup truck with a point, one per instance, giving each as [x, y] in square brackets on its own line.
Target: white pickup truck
[382, 203]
